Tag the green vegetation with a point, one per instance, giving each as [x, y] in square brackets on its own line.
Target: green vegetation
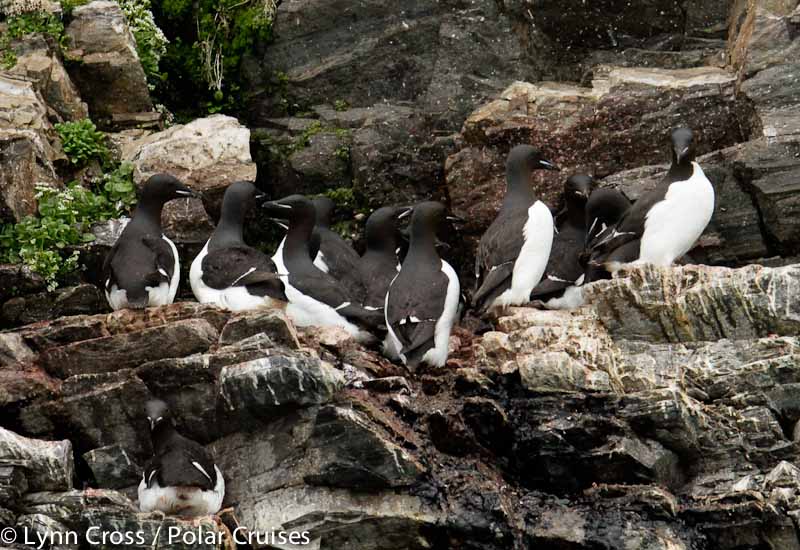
[208, 40]
[340, 105]
[28, 23]
[151, 44]
[82, 142]
[64, 220]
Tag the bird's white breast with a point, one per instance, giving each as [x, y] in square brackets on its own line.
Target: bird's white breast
[674, 224]
[437, 355]
[182, 501]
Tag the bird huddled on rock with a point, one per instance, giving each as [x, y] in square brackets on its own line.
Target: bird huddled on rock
[422, 301]
[379, 264]
[181, 479]
[513, 252]
[564, 274]
[316, 298]
[604, 209]
[142, 269]
[664, 224]
[228, 272]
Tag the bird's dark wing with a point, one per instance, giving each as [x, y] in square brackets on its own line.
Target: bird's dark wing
[187, 465]
[109, 278]
[497, 251]
[139, 262]
[413, 310]
[164, 259]
[242, 266]
[563, 266]
[343, 263]
[325, 288]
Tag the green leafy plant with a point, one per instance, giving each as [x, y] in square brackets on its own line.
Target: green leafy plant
[22, 25]
[151, 44]
[119, 188]
[68, 5]
[82, 142]
[64, 219]
[340, 105]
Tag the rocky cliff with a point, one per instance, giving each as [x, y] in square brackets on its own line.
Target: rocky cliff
[662, 415]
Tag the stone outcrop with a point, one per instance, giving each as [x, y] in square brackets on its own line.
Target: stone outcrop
[107, 70]
[662, 412]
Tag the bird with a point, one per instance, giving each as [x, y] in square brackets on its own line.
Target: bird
[604, 209]
[181, 478]
[663, 224]
[513, 252]
[142, 269]
[335, 256]
[379, 264]
[228, 272]
[560, 287]
[315, 298]
[422, 302]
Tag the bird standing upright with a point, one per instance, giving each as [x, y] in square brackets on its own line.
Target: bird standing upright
[142, 269]
[379, 264]
[228, 272]
[513, 253]
[663, 224]
[422, 302]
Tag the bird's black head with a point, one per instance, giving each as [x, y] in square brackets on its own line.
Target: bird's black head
[292, 208]
[382, 224]
[157, 413]
[324, 207]
[523, 159]
[428, 217]
[240, 197]
[682, 146]
[577, 188]
[161, 188]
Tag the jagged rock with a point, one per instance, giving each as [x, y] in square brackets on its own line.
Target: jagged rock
[207, 154]
[773, 94]
[18, 278]
[96, 410]
[436, 55]
[698, 303]
[21, 105]
[762, 34]
[261, 387]
[129, 349]
[107, 69]
[39, 62]
[273, 323]
[323, 164]
[14, 350]
[32, 308]
[46, 465]
[332, 517]
[38, 527]
[112, 467]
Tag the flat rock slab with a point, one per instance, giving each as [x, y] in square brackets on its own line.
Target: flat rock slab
[47, 465]
[126, 350]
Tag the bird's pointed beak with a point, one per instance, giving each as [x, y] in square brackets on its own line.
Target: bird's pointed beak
[276, 208]
[187, 193]
[455, 219]
[404, 212]
[547, 165]
[681, 152]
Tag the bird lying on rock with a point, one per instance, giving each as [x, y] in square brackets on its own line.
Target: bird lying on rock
[513, 253]
[228, 272]
[142, 269]
[315, 298]
[422, 301]
[181, 479]
[663, 224]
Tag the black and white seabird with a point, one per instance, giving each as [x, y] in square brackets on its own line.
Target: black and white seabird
[379, 264]
[513, 253]
[663, 224]
[422, 302]
[315, 298]
[336, 256]
[228, 272]
[563, 277]
[181, 479]
[604, 209]
[142, 269]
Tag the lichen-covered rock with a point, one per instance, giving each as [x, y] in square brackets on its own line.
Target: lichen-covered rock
[207, 154]
[37, 61]
[107, 70]
[45, 465]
